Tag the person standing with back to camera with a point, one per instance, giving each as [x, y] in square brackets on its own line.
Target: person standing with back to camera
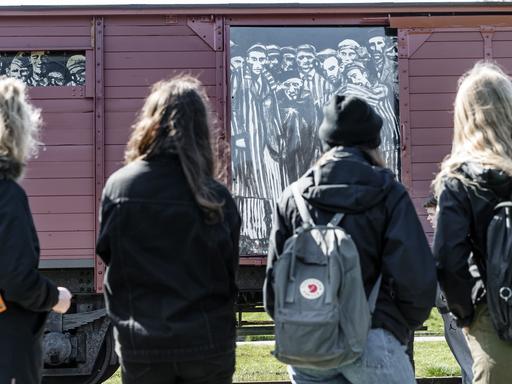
[351, 178]
[26, 294]
[169, 237]
[474, 177]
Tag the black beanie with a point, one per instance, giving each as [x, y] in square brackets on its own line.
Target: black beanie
[350, 121]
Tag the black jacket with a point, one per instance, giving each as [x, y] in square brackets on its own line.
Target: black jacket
[382, 221]
[28, 294]
[460, 239]
[170, 280]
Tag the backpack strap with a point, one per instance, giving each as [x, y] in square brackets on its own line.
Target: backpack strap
[301, 205]
[372, 299]
[336, 220]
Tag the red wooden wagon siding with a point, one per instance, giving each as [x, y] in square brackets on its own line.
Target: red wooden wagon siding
[60, 181]
[431, 60]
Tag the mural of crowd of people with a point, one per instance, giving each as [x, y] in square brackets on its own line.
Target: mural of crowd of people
[281, 78]
[44, 68]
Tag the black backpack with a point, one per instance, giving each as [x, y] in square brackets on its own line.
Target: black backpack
[499, 269]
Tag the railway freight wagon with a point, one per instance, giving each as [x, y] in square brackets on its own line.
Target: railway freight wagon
[268, 70]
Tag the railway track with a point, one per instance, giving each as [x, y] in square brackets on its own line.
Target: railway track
[427, 380]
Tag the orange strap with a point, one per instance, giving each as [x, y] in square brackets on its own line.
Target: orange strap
[3, 307]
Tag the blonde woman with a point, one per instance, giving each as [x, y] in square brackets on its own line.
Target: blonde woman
[473, 178]
[169, 236]
[28, 295]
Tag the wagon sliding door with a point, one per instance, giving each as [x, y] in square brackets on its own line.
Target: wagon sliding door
[50, 55]
[432, 56]
[281, 77]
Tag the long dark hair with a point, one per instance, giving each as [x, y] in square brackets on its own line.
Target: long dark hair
[175, 120]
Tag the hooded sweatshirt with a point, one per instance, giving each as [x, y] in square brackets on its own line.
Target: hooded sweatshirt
[382, 221]
[460, 241]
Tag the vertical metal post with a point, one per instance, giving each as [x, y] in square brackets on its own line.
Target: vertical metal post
[405, 129]
[220, 96]
[99, 142]
[487, 34]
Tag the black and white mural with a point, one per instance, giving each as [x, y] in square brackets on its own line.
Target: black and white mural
[44, 68]
[281, 78]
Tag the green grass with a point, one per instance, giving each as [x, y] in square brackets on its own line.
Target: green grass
[435, 323]
[255, 363]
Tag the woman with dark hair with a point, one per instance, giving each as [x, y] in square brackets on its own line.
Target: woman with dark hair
[169, 236]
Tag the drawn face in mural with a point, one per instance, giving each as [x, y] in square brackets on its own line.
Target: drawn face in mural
[236, 62]
[347, 55]
[331, 68]
[358, 75]
[76, 68]
[274, 61]
[377, 47]
[39, 61]
[305, 61]
[56, 78]
[256, 61]
[292, 87]
[288, 61]
[19, 70]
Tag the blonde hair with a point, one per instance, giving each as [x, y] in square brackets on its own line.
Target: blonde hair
[19, 125]
[482, 131]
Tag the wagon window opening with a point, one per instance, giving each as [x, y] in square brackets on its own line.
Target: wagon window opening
[280, 80]
[45, 68]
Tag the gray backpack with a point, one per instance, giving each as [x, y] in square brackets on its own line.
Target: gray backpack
[321, 313]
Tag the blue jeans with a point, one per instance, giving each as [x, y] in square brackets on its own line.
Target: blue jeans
[383, 361]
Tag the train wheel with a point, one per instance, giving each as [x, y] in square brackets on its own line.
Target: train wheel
[101, 371]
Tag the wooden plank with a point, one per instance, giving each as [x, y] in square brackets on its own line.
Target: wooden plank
[433, 84]
[58, 187]
[64, 153]
[424, 171]
[67, 240]
[47, 21]
[117, 135]
[64, 222]
[429, 153]
[115, 120]
[135, 77]
[139, 20]
[421, 188]
[67, 105]
[501, 48]
[148, 30]
[67, 136]
[434, 119]
[61, 204]
[439, 67]
[66, 92]
[59, 170]
[456, 36]
[155, 44]
[114, 153]
[48, 31]
[123, 105]
[506, 64]
[78, 253]
[43, 42]
[69, 121]
[502, 35]
[432, 102]
[450, 50]
[431, 136]
[140, 92]
[159, 60]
